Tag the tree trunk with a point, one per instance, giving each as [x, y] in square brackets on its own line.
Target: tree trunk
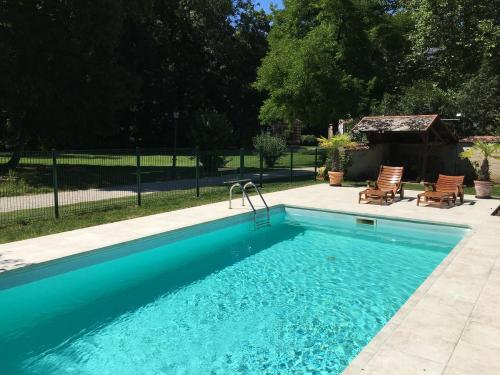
[484, 172]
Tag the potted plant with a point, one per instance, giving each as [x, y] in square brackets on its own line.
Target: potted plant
[335, 148]
[483, 184]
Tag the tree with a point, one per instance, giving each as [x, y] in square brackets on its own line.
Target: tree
[479, 100]
[331, 59]
[111, 72]
[60, 82]
[452, 37]
[422, 97]
[317, 68]
[201, 55]
[212, 134]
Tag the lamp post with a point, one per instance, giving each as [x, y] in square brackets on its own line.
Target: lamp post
[174, 157]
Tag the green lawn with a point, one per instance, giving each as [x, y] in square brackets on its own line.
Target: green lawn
[39, 222]
[34, 223]
[85, 171]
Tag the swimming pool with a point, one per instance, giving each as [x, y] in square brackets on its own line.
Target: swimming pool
[304, 295]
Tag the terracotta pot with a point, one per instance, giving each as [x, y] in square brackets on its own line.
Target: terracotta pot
[336, 178]
[483, 189]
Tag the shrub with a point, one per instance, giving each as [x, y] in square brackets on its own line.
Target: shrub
[308, 140]
[272, 148]
[212, 129]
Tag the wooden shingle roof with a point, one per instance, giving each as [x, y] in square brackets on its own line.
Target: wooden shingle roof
[382, 124]
[405, 129]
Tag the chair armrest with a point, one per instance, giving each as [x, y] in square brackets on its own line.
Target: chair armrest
[460, 188]
[369, 184]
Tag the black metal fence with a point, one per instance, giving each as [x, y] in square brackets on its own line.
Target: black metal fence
[41, 185]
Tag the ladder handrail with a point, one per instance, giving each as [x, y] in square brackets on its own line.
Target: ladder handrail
[237, 184]
[249, 201]
[245, 195]
[260, 195]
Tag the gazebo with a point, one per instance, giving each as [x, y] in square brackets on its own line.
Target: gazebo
[399, 132]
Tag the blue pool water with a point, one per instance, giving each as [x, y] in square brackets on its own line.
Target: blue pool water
[303, 296]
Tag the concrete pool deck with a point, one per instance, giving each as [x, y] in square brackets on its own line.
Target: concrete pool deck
[449, 326]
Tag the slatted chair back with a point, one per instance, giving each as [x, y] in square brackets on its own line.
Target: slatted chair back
[449, 183]
[389, 178]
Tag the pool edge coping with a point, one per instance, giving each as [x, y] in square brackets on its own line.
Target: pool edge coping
[388, 329]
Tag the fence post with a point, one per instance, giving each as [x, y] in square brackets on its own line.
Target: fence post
[138, 172]
[174, 164]
[291, 164]
[197, 154]
[242, 163]
[261, 166]
[315, 163]
[54, 182]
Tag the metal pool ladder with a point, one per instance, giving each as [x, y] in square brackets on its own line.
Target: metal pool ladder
[243, 184]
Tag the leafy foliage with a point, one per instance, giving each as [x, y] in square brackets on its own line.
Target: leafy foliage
[335, 148]
[479, 101]
[422, 97]
[271, 147]
[112, 72]
[308, 140]
[323, 63]
[211, 130]
[453, 61]
[329, 59]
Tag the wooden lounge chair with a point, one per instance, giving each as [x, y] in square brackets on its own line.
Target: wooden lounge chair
[446, 189]
[386, 187]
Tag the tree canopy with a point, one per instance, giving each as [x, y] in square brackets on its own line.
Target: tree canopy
[112, 72]
[77, 74]
[331, 59]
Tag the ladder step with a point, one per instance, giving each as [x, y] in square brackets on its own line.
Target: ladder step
[261, 224]
[260, 227]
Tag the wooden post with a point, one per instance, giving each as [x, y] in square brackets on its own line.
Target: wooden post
[425, 156]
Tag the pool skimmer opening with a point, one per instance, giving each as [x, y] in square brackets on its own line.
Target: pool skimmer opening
[366, 221]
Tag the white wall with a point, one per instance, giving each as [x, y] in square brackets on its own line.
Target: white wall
[442, 159]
